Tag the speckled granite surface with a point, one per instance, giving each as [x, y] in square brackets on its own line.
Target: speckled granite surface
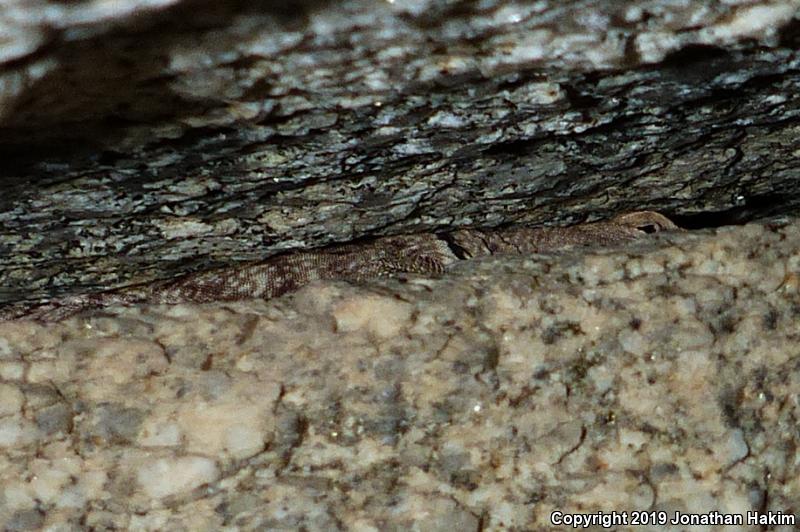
[662, 377]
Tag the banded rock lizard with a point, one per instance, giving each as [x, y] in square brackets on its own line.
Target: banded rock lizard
[423, 254]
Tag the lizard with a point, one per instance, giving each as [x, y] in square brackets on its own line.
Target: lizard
[422, 254]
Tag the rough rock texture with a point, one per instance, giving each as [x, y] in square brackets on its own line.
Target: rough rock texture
[425, 254]
[659, 376]
[141, 139]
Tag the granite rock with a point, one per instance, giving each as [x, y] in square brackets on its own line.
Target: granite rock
[658, 376]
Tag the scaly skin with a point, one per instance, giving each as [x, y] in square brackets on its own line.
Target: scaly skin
[424, 254]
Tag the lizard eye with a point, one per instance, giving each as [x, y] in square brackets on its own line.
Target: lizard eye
[649, 228]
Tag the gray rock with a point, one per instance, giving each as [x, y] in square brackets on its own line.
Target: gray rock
[30, 519]
[55, 418]
[113, 424]
[195, 135]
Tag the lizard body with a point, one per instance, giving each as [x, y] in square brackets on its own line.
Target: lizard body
[425, 253]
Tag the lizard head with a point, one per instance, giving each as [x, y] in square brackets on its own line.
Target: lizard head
[645, 221]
